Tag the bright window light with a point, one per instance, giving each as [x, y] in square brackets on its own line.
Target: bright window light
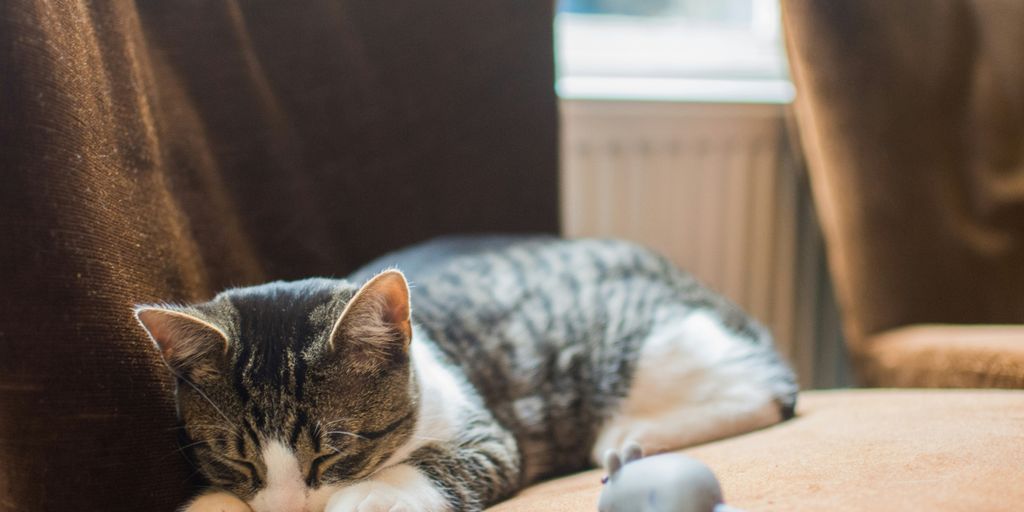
[677, 50]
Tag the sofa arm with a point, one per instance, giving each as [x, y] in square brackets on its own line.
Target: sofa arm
[963, 356]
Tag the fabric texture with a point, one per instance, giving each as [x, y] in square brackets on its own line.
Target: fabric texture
[912, 117]
[857, 450]
[988, 356]
[166, 150]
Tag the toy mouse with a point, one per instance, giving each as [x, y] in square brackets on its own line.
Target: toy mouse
[668, 482]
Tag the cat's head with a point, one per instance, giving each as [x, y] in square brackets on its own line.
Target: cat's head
[290, 388]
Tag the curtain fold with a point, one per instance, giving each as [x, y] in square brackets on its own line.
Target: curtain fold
[166, 150]
[911, 114]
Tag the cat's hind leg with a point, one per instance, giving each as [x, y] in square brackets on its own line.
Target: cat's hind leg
[697, 381]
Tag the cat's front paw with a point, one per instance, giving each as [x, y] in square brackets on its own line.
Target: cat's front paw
[217, 502]
[373, 497]
[400, 488]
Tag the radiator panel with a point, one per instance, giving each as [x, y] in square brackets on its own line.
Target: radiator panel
[707, 186]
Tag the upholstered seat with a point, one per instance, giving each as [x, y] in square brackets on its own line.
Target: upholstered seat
[855, 450]
[947, 356]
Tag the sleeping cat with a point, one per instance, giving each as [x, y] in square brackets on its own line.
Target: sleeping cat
[516, 359]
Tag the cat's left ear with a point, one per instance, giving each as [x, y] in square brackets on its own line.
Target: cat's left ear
[376, 327]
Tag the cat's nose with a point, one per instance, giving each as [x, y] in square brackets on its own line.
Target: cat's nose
[285, 490]
[279, 500]
[280, 507]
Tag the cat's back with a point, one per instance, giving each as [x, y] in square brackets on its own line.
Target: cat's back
[536, 290]
[545, 291]
[519, 314]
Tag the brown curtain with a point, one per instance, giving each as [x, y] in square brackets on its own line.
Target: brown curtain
[165, 150]
[912, 114]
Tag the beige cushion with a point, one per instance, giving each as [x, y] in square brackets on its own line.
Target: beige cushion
[870, 450]
[979, 356]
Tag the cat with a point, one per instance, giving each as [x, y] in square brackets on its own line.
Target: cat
[515, 359]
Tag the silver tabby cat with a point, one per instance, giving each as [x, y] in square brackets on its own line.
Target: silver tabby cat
[518, 359]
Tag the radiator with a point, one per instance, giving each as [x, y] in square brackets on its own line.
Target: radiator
[711, 187]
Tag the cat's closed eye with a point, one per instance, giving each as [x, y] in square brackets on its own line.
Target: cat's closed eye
[234, 473]
[319, 465]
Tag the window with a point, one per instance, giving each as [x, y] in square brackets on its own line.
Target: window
[687, 50]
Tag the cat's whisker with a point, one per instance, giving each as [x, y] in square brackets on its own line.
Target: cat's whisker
[219, 428]
[332, 423]
[181, 450]
[189, 477]
[196, 388]
[344, 433]
[197, 443]
[200, 427]
[426, 438]
[336, 450]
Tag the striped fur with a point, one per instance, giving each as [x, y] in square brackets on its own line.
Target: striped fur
[523, 359]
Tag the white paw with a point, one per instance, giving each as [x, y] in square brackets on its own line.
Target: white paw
[217, 502]
[373, 497]
[397, 489]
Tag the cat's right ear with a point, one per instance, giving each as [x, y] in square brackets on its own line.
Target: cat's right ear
[375, 327]
[183, 339]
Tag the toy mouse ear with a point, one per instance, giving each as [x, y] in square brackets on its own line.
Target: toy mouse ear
[612, 463]
[632, 452]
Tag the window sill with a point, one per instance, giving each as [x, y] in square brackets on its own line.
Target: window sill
[667, 59]
[778, 91]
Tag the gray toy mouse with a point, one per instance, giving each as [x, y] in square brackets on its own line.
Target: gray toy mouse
[668, 482]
